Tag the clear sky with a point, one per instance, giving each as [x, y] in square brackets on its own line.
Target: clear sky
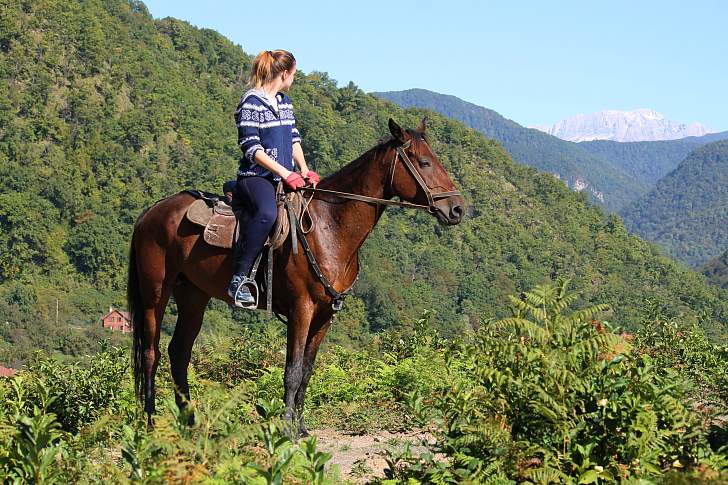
[535, 62]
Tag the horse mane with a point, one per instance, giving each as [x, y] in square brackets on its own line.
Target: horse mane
[355, 164]
[365, 157]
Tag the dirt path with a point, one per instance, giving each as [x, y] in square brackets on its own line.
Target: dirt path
[359, 456]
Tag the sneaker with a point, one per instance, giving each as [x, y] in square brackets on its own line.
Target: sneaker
[240, 293]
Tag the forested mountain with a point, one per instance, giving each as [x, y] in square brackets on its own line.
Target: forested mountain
[104, 110]
[716, 270]
[615, 173]
[579, 168]
[649, 161]
[687, 212]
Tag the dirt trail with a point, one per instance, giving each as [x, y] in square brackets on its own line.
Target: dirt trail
[358, 456]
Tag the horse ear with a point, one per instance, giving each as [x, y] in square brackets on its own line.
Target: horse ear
[396, 130]
[423, 125]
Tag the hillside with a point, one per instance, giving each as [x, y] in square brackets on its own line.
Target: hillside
[649, 161]
[579, 168]
[687, 211]
[716, 270]
[105, 110]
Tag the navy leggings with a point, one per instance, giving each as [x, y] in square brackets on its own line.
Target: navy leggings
[258, 196]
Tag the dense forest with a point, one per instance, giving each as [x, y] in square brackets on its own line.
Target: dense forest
[537, 341]
[686, 212]
[716, 270]
[649, 161]
[105, 110]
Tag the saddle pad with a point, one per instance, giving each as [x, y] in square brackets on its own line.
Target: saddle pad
[220, 230]
[199, 212]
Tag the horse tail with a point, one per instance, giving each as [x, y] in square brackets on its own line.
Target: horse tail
[135, 305]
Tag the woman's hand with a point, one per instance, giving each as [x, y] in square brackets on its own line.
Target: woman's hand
[312, 177]
[294, 181]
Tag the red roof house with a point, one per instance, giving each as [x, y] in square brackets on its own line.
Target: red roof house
[117, 320]
[7, 372]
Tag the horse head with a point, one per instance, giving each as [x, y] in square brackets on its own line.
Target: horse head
[420, 178]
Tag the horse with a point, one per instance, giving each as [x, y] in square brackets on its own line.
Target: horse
[169, 257]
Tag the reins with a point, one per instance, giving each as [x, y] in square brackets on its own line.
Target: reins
[338, 297]
[431, 198]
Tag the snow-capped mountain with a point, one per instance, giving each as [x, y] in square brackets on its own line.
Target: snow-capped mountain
[638, 125]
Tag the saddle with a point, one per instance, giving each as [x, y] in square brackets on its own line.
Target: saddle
[220, 222]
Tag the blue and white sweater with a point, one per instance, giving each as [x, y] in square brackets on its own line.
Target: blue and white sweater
[262, 127]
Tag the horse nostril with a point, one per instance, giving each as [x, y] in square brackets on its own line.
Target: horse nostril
[456, 212]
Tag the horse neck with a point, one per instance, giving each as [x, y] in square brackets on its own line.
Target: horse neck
[364, 176]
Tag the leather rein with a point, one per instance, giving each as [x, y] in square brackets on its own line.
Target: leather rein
[336, 296]
[400, 153]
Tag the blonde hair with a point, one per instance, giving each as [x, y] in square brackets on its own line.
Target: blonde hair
[268, 65]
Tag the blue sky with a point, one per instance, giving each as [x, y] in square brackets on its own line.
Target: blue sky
[533, 62]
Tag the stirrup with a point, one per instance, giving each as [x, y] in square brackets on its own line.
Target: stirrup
[253, 286]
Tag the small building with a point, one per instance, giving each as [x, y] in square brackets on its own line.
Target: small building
[7, 371]
[117, 320]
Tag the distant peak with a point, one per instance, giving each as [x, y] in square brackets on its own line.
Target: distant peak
[642, 124]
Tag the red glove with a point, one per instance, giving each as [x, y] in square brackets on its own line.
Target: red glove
[313, 177]
[294, 181]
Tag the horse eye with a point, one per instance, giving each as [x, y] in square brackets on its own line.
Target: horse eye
[425, 162]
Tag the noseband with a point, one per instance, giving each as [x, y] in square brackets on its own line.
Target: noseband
[399, 153]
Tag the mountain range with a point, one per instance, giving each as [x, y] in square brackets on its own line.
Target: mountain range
[615, 174]
[637, 125]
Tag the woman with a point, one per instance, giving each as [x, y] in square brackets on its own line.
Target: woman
[271, 147]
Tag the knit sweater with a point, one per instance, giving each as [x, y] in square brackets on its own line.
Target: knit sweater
[262, 127]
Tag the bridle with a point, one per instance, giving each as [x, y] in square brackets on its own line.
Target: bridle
[399, 153]
[337, 298]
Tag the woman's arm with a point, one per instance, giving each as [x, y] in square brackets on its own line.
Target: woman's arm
[299, 159]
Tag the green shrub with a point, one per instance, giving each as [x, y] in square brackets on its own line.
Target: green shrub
[550, 397]
[83, 391]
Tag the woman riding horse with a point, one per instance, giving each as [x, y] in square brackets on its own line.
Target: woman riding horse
[169, 256]
[271, 144]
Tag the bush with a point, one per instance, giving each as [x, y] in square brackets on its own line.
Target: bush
[550, 397]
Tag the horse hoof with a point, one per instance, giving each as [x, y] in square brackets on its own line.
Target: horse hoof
[191, 420]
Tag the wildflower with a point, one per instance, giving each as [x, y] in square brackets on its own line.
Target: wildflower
[599, 468]
[602, 402]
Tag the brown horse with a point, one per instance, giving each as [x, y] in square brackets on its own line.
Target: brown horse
[169, 257]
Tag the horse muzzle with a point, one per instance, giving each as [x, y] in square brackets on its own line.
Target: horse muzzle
[452, 212]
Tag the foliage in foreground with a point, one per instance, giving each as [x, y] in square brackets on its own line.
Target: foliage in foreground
[547, 396]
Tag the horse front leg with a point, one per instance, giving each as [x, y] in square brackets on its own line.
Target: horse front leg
[298, 325]
[317, 332]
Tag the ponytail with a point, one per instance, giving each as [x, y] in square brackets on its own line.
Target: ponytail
[268, 65]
